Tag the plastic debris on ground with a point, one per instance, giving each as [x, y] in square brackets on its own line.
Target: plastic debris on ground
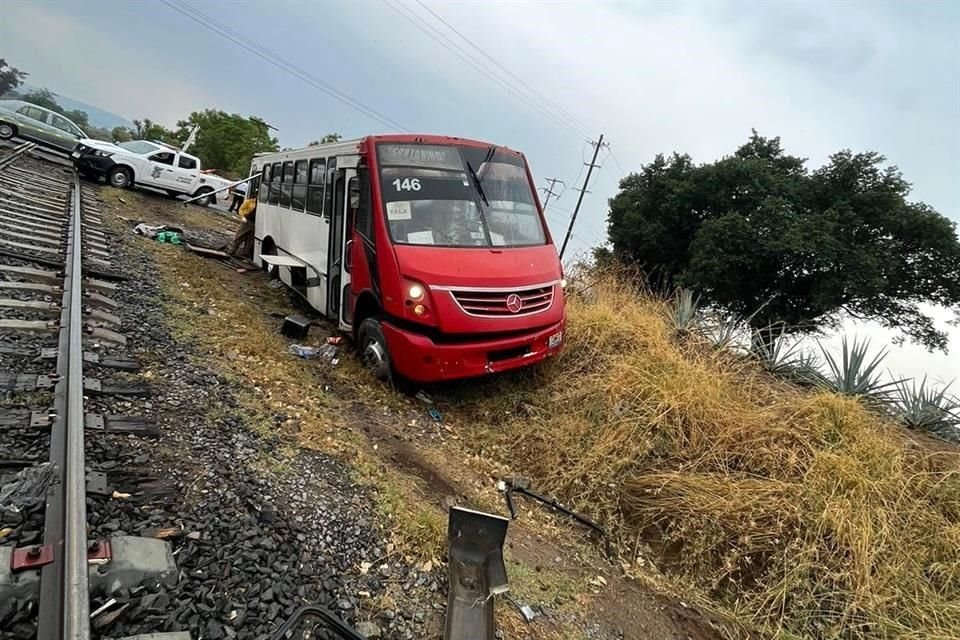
[335, 340]
[161, 233]
[436, 415]
[327, 352]
[423, 397]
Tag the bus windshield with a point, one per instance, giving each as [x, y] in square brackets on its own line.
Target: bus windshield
[457, 196]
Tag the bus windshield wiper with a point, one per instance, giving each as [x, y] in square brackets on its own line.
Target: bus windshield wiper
[477, 185]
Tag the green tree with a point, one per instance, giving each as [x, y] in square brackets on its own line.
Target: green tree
[330, 137]
[147, 129]
[10, 77]
[226, 141]
[43, 98]
[757, 234]
[121, 134]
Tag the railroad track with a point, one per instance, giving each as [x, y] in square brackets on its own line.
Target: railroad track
[55, 281]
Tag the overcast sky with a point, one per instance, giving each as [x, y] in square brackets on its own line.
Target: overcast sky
[653, 77]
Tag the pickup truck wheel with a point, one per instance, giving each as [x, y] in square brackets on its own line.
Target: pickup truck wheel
[120, 177]
[205, 198]
[7, 131]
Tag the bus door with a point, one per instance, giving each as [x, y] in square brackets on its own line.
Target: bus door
[345, 201]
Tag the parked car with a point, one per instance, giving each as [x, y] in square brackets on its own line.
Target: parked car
[149, 164]
[32, 122]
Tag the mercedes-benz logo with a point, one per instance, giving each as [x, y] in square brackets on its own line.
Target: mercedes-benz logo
[514, 303]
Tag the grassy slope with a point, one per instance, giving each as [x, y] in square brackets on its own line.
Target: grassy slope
[799, 514]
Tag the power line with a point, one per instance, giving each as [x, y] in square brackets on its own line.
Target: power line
[523, 83]
[435, 34]
[278, 61]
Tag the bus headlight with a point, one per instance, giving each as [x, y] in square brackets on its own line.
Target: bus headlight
[415, 292]
[420, 310]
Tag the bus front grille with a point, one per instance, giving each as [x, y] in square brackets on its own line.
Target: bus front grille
[505, 303]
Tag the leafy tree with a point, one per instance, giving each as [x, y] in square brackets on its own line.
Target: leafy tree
[121, 134]
[43, 98]
[147, 129]
[10, 77]
[226, 141]
[759, 235]
[330, 137]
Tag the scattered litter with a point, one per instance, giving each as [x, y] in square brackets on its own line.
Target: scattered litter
[242, 270]
[598, 582]
[436, 415]
[304, 352]
[365, 567]
[161, 233]
[118, 495]
[169, 237]
[194, 535]
[275, 284]
[335, 340]
[122, 200]
[6, 531]
[109, 618]
[423, 397]
[327, 352]
[528, 613]
[106, 605]
[162, 534]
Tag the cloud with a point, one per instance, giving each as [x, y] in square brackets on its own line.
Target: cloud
[119, 70]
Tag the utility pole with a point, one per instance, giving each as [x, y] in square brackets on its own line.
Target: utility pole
[576, 210]
[549, 190]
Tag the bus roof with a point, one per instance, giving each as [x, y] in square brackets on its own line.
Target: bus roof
[421, 138]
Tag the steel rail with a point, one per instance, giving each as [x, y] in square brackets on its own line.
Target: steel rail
[64, 607]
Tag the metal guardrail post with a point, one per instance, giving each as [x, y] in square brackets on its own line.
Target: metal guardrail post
[477, 573]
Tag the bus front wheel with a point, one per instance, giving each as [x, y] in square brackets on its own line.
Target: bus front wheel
[373, 349]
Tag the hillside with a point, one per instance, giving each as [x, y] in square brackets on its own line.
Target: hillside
[98, 117]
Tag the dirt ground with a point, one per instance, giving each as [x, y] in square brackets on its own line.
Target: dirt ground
[415, 464]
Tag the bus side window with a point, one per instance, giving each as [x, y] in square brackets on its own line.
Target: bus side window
[275, 184]
[286, 184]
[315, 186]
[266, 183]
[299, 193]
[364, 219]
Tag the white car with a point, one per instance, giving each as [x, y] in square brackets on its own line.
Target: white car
[150, 164]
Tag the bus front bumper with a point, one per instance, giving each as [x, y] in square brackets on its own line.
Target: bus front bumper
[418, 357]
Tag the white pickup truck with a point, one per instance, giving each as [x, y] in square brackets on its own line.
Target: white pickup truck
[149, 164]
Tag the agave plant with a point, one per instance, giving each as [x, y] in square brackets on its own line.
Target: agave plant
[685, 311]
[926, 408]
[855, 374]
[785, 358]
[726, 333]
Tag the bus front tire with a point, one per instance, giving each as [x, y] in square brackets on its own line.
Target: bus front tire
[373, 349]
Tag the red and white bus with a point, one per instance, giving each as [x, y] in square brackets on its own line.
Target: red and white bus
[432, 251]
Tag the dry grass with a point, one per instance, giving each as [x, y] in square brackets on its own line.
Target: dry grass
[797, 514]
[280, 395]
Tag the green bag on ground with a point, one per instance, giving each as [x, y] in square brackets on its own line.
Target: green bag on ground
[171, 237]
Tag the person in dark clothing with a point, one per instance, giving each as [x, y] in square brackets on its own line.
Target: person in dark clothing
[239, 192]
[242, 244]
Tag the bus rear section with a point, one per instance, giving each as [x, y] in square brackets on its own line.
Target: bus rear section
[435, 254]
